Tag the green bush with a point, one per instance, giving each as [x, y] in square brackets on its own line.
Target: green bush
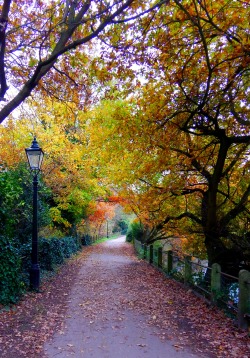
[54, 251]
[121, 226]
[16, 193]
[70, 245]
[86, 240]
[135, 231]
[16, 262]
[11, 283]
[24, 252]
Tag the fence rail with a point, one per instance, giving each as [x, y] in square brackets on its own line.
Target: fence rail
[227, 291]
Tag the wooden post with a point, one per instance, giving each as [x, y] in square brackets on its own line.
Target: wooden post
[244, 300]
[151, 254]
[169, 266]
[145, 249]
[139, 249]
[142, 251]
[159, 264]
[188, 269]
[215, 281]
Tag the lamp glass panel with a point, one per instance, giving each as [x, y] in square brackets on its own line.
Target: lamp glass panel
[35, 159]
[40, 159]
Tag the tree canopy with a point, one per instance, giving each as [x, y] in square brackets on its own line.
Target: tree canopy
[155, 108]
[48, 46]
[185, 142]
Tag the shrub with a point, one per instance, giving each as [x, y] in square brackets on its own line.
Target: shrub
[16, 262]
[86, 240]
[135, 231]
[16, 204]
[120, 226]
[54, 251]
[11, 283]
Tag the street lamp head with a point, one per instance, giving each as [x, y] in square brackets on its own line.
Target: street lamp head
[35, 156]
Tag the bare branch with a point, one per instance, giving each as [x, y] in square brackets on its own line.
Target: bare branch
[61, 47]
[240, 207]
[157, 5]
[3, 26]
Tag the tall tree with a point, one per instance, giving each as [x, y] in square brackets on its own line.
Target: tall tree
[43, 45]
[65, 169]
[191, 122]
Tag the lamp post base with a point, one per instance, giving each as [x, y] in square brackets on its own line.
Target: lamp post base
[34, 277]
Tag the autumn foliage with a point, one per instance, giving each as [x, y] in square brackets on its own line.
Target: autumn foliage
[141, 103]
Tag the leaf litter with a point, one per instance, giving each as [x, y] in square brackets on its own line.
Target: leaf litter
[177, 313]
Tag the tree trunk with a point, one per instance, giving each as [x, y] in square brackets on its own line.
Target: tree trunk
[228, 258]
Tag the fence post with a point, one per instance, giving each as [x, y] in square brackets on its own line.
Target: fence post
[138, 245]
[151, 254]
[145, 250]
[142, 250]
[215, 280]
[159, 264]
[169, 266]
[188, 269]
[244, 299]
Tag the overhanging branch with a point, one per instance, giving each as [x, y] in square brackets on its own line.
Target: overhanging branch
[239, 208]
[160, 3]
[3, 25]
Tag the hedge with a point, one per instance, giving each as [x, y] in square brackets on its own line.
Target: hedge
[11, 284]
[15, 263]
[54, 251]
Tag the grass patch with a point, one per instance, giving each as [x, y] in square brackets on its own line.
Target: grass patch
[103, 239]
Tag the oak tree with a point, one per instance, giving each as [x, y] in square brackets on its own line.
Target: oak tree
[50, 46]
[187, 135]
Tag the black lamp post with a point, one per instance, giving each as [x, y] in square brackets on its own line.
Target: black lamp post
[35, 158]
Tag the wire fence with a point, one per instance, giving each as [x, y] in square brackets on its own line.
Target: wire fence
[201, 275]
[229, 293]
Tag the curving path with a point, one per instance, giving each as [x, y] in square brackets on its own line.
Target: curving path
[104, 318]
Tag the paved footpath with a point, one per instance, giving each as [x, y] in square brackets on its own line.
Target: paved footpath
[101, 319]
